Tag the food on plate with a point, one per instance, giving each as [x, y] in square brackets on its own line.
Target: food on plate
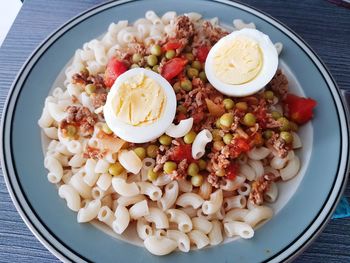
[178, 125]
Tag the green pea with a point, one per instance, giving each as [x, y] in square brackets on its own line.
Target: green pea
[227, 138]
[228, 104]
[155, 68]
[226, 120]
[134, 66]
[203, 76]
[151, 175]
[186, 85]
[217, 124]
[267, 134]
[276, 115]
[156, 50]
[148, 68]
[152, 150]
[286, 136]
[152, 60]
[182, 109]
[189, 56]
[169, 167]
[216, 135]
[140, 152]
[220, 173]
[165, 140]
[268, 95]
[115, 169]
[197, 180]
[202, 164]
[192, 73]
[249, 119]
[243, 106]
[177, 87]
[218, 145]
[170, 54]
[71, 130]
[90, 88]
[136, 58]
[193, 169]
[189, 137]
[106, 129]
[284, 122]
[196, 64]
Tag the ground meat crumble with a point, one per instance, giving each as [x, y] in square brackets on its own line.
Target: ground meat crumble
[279, 84]
[82, 118]
[278, 145]
[184, 28]
[181, 171]
[98, 99]
[214, 34]
[260, 187]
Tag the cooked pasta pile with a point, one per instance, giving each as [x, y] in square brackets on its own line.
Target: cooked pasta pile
[202, 181]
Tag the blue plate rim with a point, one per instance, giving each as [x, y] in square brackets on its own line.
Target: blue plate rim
[37, 53]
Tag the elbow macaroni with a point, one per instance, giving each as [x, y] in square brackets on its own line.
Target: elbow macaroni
[139, 210]
[122, 219]
[89, 212]
[170, 196]
[214, 204]
[152, 191]
[182, 220]
[158, 217]
[190, 199]
[123, 188]
[198, 238]
[71, 196]
[199, 143]
[180, 130]
[160, 246]
[130, 161]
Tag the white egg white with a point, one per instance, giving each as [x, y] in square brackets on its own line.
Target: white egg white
[268, 70]
[146, 132]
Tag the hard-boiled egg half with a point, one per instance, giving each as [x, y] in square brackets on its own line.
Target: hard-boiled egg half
[242, 62]
[140, 106]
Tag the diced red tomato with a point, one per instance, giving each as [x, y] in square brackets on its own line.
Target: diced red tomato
[173, 67]
[300, 109]
[240, 145]
[172, 45]
[202, 53]
[198, 117]
[181, 152]
[232, 171]
[114, 69]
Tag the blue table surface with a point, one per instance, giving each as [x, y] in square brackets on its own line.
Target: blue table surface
[325, 26]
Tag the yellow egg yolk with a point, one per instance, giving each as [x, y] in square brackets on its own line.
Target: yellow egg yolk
[139, 100]
[238, 61]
